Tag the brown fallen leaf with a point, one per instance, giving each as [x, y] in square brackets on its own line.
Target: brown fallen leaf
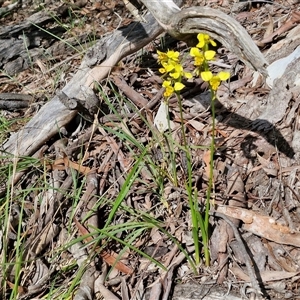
[268, 166]
[206, 159]
[109, 258]
[265, 275]
[125, 162]
[63, 163]
[261, 225]
[291, 23]
[21, 290]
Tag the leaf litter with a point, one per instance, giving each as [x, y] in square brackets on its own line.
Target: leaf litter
[64, 197]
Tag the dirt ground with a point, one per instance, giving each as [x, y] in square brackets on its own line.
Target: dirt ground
[256, 163]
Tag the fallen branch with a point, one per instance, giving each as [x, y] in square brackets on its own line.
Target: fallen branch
[95, 66]
[185, 24]
[111, 49]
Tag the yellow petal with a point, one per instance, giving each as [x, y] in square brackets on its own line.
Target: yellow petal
[194, 52]
[175, 75]
[210, 54]
[178, 86]
[173, 55]
[206, 76]
[162, 70]
[200, 36]
[169, 67]
[215, 82]
[188, 75]
[178, 68]
[166, 83]
[213, 43]
[201, 39]
[224, 75]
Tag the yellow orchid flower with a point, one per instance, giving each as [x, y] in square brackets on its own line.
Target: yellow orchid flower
[173, 55]
[214, 81]
[204, 39]
[167, 67]
[170, 56]
[169, 90]
[178, 71]
[162, 56]
[200, 57]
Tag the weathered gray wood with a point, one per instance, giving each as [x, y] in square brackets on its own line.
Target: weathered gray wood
[38, 18]
[95, 66]
[22, 44]
[184, 24]
[195, 291]
[112, 48]
[163, 11]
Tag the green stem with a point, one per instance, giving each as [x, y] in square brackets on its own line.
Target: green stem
[172, 152]
[192, 196]
[210, 182]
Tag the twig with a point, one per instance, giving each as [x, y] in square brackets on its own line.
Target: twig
[247, 259]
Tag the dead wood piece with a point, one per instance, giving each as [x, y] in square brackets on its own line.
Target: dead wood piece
[74, 104]
[13, 105]
[18, 54]
[280, 97]
[40, 128]
[263, 226]
[15, 96]
[24, 43]
[196, 291]
[114, 47]
[222, 28]
[135, 97]
[185, 24]
[12, 101]
[55, 114]
[39, 18]
[247, 259]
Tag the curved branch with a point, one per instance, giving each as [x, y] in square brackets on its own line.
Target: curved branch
[185, 24]
[162, 10]
[221, 27]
